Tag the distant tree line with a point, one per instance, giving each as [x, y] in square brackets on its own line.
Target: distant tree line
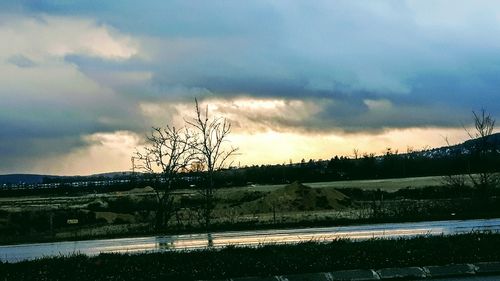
[368, 166]
[390, 165]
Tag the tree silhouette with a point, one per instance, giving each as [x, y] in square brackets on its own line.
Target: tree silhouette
[212, 150]
[167, 152]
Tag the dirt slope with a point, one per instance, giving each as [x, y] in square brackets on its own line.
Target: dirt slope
[298, 197]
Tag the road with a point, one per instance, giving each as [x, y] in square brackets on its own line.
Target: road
[15, 253]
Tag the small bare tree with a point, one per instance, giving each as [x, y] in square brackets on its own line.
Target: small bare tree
[356, 153]
[168, 152]
[484, 125]
[212, 151]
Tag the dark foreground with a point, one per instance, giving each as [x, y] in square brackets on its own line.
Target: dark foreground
[264, 260]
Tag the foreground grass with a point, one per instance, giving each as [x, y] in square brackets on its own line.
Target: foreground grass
[264, 260]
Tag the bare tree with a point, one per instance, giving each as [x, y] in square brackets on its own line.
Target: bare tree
[483, 124]
[168, 152]
[485, 178]
[212, 151]
[356, 153]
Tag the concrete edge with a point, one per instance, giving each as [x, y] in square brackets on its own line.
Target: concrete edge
[395, 273]
[487, 267]
[450, 270]
[356, 274]
[402, 273]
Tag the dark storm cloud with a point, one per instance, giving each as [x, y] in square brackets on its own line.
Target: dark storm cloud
[20, 153]
[357, 66]
[385, 48]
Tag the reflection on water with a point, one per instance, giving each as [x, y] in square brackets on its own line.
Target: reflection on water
[165, 243]
[210, 240]
[16, 253]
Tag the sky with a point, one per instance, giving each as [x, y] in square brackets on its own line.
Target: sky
[83, 82]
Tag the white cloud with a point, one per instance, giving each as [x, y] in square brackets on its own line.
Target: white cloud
[48, 103]
[50, 37]
[33, 69]
[247, 114]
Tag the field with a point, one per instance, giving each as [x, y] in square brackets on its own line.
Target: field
[389, 185]
[47, 218]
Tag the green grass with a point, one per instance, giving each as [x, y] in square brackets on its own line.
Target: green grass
[264, 260]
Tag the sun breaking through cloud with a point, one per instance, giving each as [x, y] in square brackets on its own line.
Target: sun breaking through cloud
[82, 82]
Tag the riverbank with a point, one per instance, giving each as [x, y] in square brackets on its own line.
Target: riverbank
[263, 260]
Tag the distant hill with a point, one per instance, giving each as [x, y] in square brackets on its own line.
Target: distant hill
[21, 178]
[493, 140]
[462, 148]
[37, 178]
[111, 175]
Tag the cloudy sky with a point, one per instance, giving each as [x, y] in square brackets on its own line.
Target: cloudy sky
[81, 82]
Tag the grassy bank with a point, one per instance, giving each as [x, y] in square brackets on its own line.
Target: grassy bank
[265, 260]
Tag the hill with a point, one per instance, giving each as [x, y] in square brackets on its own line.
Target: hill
[21, 178]
[299, 197]
[38, 179]
[493, 142]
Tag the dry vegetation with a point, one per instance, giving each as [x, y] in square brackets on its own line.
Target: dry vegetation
[330, 203]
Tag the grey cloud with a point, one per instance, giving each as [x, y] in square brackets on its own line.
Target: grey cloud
[429, 64]
[384, 49]
[23, 153]
[347, 115]
[21, 61]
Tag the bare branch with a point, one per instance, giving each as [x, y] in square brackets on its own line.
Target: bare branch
[211, 149]
[168, 152]
[485, 178]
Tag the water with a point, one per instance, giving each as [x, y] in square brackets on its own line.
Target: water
[16, 253]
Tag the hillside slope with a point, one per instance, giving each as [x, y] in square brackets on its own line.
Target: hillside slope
[299, 197]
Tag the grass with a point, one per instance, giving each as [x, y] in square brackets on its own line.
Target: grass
[263, 260]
